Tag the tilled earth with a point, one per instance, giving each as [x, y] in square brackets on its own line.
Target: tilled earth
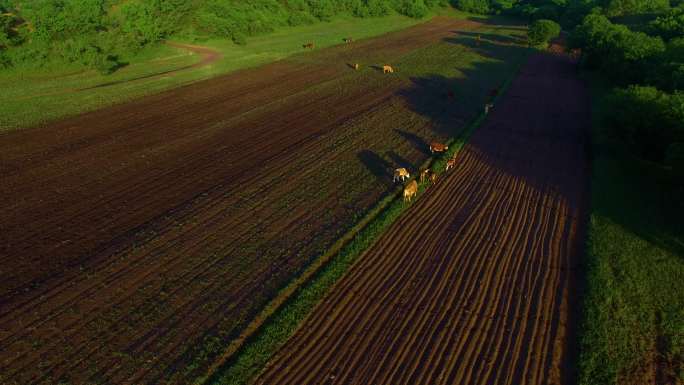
[137, 240]
[476, 282]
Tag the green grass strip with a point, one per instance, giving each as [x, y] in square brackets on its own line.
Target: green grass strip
[247, 356]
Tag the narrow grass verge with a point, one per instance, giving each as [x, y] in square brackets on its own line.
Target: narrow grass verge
[248, 355]
[632, 329]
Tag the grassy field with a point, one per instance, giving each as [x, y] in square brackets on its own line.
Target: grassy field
[633, 327]
[282, 322]
[33, 96]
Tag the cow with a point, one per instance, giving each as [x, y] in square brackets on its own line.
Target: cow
[348, 40]
[387, 69]
[433, 178]
[401, 174]
[438, 147]
[450, 164]
[356, 66]
[488, 107]
[424, 175]
[308, 45]
[410, 191]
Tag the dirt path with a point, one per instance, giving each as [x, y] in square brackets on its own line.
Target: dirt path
[136, 240]
[475, 284]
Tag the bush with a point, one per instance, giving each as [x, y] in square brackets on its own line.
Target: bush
[625, 56]
[542, 31]
[474, 6]
[645, 118]
[669, 25]
[412, 8]
[633, 7]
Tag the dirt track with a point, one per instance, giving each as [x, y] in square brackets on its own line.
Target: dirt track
[137, 238]
[475, 283]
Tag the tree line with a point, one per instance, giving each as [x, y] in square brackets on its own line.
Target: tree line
[98, 33]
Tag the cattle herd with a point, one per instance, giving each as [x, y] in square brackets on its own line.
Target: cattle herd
[426, 175]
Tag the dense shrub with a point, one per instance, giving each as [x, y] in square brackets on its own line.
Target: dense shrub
[412, 8]
[647, 119]
[625, 56]
[669, 25]
[634, 7]
[474, 6]
[542, 31]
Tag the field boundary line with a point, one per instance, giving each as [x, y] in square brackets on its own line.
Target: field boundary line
[288, 294]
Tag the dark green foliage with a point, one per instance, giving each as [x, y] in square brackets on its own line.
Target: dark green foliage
[669, 25]
[633, 7]
[412, 8]
[624, 55]
[542, 31]
[646, 119]
[474, 6]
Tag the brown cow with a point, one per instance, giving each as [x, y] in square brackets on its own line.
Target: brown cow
[308, 45]
[450, 164]
[401, 174]
[410, 191]
[424, 175]
[433, 177]
[387, 69]
[438, 147]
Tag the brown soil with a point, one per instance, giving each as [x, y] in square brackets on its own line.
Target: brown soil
[475, 284]
[134, 236]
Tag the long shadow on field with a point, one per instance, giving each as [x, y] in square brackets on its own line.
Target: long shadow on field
[416, 141]
[488, 38]
[513, 142]
[400, 161]
[378, 166]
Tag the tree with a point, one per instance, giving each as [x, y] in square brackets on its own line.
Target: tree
[669, 25]
[542, 31]
[474, 6]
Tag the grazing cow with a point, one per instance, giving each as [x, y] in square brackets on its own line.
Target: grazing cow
[308, 45]
[438, 147]
[348, 40]
[410, 191]
[450, 164]
[387, 69]
[356, 66]
[488, 107]
[424, 175]
[433, 178]
[401, 174]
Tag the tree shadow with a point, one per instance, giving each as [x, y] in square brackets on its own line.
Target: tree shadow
[400, 161]
[416, 141]
[379, 167]
[492, 38]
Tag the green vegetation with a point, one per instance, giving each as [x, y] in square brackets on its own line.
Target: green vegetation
[634, 302]
[32, 96]
[542, 31]
[100, 33]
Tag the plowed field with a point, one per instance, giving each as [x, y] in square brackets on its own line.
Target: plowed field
[475, 283]
[136, 241]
